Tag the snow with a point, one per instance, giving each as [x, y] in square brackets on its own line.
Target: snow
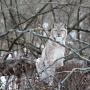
[80, 36]
[3, 81]
[45, 25]
[15, 53]
[73, 34]
[81, 24]
[42, 46]
[70, 52]
[2, 21]
[25, 49]
[70, 42]
[37, 9]
[44, 34]
[9, 56]
[37, 45]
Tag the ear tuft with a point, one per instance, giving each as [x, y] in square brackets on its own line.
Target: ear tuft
[54, 25]
[65, 26]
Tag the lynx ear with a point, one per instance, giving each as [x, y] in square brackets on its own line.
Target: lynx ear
[65, 26]
[61, 25]
[54, 25]
[47, 31]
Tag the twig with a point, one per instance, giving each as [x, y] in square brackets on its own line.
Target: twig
[73, 70]
[36, 15]
[53, 13]
[85, 16]
[31, 88]
[82, 5]
[40, 36]
[28, 25]
[82, 30]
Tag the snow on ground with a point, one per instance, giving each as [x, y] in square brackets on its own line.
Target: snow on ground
[44, 34]
[9, 56]
[2, 21]
[3, 78]
[73, 34]
[15, 53]
[81, 24]
[37, 45]
[42, 46]
[3, 81]
[70, 42]
[45, 25]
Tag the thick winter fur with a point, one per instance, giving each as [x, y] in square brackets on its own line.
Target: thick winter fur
[51, 53]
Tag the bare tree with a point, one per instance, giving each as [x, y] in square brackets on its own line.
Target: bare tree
[23, 34]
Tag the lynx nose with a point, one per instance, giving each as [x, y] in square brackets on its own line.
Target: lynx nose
[59, 34]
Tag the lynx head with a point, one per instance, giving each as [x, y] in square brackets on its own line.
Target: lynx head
[59, 33]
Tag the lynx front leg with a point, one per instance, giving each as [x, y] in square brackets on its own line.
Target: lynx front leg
[41, 70]
[51, 72]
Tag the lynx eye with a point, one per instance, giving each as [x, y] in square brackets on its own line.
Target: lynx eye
[62, 30]
[55, 30]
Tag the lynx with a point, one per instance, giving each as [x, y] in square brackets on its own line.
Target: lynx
[52, 51]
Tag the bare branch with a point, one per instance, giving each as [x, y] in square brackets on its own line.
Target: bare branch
[40, 36]
[79, 30]
[73, 70]
[84, 17]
